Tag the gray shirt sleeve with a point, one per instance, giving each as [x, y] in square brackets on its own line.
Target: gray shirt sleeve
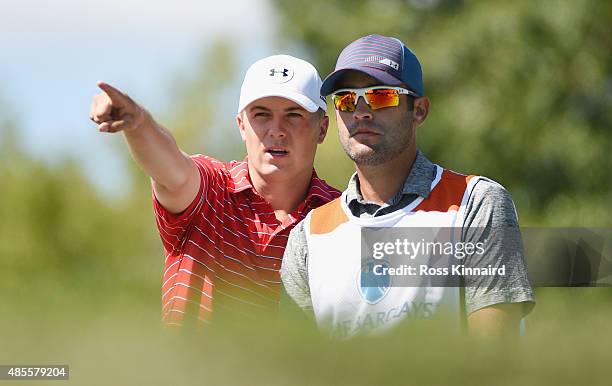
[490, 217]
[294, 270]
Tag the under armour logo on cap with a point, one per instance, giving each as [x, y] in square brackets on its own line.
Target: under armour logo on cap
[274, 72]
[281, 74]
[390, 63]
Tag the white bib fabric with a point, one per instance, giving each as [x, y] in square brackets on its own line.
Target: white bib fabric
[340, 301]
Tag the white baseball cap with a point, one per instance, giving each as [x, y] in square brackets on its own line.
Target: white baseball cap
[283, 76]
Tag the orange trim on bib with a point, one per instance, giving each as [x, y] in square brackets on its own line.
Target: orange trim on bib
[326, 218]
[446, 196]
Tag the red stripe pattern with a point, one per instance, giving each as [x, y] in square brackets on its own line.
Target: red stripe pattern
[224, 252]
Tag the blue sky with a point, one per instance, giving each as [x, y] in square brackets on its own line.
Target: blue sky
[53, 52]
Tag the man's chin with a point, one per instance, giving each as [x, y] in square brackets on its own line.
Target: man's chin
[360, 152]
[368, 158]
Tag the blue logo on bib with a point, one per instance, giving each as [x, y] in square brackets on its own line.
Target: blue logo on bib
[373, 287]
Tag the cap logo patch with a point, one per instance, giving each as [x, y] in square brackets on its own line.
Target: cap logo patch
[280, 74]
[390, 63]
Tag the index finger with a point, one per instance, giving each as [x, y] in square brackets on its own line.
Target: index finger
[117, 97]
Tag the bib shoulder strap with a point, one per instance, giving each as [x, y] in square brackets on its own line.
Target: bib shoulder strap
[326, 218]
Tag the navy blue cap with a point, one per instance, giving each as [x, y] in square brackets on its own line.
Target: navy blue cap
[384, 58]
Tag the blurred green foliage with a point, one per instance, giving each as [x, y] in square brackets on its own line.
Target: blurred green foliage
[61, 241]
[521, 92]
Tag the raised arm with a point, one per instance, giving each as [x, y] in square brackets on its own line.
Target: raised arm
[174, 175]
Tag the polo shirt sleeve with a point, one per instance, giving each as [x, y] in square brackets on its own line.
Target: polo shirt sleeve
[174, 227]
[491, 219]
[294, 271]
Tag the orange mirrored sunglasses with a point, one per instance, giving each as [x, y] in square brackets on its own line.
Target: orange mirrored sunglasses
[376, 97]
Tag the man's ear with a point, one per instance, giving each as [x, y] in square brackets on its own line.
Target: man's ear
[323, 126]
[240, 122]
[421, 109]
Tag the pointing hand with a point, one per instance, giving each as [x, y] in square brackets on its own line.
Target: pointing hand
[115, 111]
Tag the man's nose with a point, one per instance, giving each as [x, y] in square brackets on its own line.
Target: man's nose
[362, 110]
[277, 129]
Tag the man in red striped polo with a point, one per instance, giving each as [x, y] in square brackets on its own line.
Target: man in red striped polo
[224, 226]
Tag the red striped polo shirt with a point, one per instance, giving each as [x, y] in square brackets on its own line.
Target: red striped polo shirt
[224, 251]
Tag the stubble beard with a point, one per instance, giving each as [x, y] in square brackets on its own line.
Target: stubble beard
[393, 143]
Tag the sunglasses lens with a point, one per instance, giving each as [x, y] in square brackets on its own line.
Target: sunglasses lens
[345, 101]
[375, 98]
[380, 98]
